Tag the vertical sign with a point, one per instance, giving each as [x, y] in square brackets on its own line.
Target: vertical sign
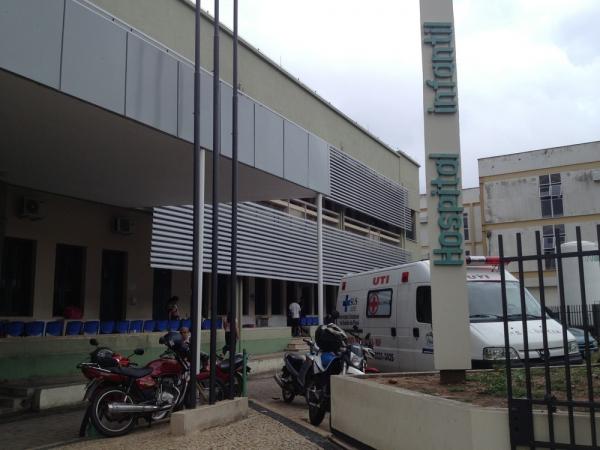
[449, 299]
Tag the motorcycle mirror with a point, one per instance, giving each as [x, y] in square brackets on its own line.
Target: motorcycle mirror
[139, 351]
[94, 342]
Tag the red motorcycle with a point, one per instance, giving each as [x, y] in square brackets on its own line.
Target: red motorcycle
[222, 376]
[120, 393]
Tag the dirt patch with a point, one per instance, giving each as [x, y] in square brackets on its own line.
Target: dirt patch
[488, 388]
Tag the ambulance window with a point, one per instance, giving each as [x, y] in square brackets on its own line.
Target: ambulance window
[424, 304]
[379, 303]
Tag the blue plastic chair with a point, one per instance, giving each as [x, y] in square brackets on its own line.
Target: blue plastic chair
[3, 325]
[205, 324]
[35, 328]
[54, 328]
[315, 321]
[219, 324]
[149, 326]
[15, 329]
[303, 321]
[107, 327]
[186, 323]
[174, 325]
[161, 325]
[73, 328]
[91, 327]
[122, 326]
[136, 326]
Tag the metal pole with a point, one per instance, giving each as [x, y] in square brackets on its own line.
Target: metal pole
[215, 206]
[234, 202]
[197, 235]
[320, 256]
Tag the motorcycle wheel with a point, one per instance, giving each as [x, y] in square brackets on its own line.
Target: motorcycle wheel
[110, 424]
[203, 386]
[288, 395]
[316, 406]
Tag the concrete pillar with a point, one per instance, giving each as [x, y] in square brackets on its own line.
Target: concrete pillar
[449, 299]
[3, 219]
[320, 256]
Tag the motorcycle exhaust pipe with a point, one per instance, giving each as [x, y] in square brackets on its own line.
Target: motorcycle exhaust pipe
[129, 408]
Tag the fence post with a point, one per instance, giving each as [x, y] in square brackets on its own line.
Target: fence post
[568, 316]
[596, 320]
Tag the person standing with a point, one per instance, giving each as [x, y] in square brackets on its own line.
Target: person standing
[173, 308]
[229, 328]
[295, 310]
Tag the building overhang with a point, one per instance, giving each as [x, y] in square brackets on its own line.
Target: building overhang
[92, 108]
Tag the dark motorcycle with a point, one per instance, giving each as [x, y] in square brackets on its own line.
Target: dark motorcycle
[119, 394]
[295, 373]
[337, 358]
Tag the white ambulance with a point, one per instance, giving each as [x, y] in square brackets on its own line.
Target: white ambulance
[394, 305]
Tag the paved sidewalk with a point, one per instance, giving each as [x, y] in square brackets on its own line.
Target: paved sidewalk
[258, 431]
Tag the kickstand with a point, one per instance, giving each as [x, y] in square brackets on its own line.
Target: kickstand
[85, 421]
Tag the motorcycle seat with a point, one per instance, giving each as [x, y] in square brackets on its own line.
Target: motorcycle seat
[237, 362]
[132, 371]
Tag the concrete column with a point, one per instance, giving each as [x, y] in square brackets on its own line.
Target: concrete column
[201, 193]
[449, 300]
[320, 256]
[3, 218]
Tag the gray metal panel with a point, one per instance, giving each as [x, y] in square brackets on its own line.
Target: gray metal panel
[93, 58]
[318, 164]
[245, 130]
[185, 106]
[151, 85]
[295, 153]
[271, 244]
[226, 119]
[268, 150]
[31, 38]
[206, 107]
[367, 191]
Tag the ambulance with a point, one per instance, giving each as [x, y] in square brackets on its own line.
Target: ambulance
[394, 306]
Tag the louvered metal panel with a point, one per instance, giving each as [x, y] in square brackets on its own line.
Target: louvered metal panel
[271, 244]
[357, 186]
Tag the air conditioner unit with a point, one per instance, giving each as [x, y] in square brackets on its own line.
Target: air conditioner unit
[32, 209]
[123, 225]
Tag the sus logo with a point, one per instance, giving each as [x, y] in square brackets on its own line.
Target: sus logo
[348, 303]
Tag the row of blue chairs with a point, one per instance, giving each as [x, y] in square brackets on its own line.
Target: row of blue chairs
[309, 321]
[92, 327]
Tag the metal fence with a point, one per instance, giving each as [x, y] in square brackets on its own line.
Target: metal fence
[574, 317]
[551, 400]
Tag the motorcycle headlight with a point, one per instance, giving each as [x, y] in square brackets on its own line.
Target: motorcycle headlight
[573, 347]
[498, 353]
[355, 360]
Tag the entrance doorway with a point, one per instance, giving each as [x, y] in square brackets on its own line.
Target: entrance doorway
[161, 293]
[112, 294]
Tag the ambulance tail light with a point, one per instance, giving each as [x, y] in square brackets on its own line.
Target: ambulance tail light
[483, 260]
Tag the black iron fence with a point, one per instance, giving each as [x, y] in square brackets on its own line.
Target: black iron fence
[558, 381]
[574, 317]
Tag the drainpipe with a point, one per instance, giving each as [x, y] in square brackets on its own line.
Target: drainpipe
[320, 256]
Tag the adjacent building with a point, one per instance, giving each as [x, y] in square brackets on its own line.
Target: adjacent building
[552, 191]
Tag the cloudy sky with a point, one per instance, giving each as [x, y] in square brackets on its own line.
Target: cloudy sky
[528, 70]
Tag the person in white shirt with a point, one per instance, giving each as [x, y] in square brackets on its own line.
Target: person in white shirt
[295, 309]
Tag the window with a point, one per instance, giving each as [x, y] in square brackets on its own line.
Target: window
[551, 195]
[260, 296]
[466, 225]
[424, 304]
[69, 276]
[276, 288]
[379, 303]
[16, 280]
[549, 233]
[412, 233]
